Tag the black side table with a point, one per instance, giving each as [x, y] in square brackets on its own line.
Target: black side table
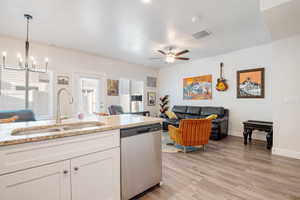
[251, 125]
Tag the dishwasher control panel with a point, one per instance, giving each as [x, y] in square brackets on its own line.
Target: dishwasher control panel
[128, 132]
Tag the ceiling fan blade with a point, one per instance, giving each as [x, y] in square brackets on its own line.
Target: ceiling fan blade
[182, 52]
[181, 58]
[162, 52]
[156, 58]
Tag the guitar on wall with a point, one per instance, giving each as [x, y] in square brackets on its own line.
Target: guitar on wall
[222, 84]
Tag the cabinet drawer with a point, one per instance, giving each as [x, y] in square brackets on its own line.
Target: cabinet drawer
[28, 155]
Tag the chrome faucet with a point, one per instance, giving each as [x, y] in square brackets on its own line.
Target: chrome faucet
[58, 111]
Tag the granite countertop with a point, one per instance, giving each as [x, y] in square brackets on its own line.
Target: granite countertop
[110, 123]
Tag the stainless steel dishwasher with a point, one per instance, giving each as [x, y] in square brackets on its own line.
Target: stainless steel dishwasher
[141, 162]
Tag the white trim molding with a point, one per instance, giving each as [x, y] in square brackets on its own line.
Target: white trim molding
[286, 153]
[255, 136]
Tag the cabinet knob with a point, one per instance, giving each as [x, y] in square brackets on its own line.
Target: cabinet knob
[65, 171]
[76, 168]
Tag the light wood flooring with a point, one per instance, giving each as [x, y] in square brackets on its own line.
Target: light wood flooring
[228, 170]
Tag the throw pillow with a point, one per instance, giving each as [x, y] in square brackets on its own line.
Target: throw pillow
[212, 117]
[9, 120]
[171, 115]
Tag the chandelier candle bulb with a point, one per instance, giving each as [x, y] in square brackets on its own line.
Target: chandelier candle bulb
[34, 63]
[46, 60]
[20, 61]
[4, 54]
[46, 63]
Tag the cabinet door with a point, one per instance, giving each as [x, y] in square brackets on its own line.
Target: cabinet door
[48, 182]
[96, 176]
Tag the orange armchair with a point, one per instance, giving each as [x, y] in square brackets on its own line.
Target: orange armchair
[191, 132]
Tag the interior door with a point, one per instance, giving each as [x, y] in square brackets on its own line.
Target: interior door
[98, 174]
[49, 182]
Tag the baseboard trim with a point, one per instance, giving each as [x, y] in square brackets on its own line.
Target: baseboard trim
[254, 135]
[235, 133]
[286, 153]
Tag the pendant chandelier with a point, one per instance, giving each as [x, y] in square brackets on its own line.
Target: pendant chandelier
[28, 64]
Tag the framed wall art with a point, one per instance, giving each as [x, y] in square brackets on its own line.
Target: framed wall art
[251, 83]
[112, 87]
[151, 82]
[151, 98]
[197, 88]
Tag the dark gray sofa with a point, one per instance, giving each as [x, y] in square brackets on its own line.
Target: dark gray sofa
[219, 126]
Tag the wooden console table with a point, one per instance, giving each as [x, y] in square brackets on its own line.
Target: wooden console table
[251, 125]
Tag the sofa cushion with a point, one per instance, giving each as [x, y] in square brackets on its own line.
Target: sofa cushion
[174, 122]
[23, 115]
[9, 120]
[179, 109]
[206, 111]
[212, 116]
[193, 110]
[181, 115]
[171, 115]
[193, 117]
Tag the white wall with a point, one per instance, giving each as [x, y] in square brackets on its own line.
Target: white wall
[171, 81]
[282, 102]
[69, 62]
[286, 96]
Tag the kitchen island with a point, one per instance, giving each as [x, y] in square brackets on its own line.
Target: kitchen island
[70, 163]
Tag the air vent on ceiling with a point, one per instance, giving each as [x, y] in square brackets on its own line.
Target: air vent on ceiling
[201, 34]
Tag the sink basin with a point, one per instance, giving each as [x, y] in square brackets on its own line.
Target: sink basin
[56, 128]
[81, 125]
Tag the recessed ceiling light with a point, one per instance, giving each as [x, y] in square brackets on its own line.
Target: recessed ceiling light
[146, 1]
[195, 19]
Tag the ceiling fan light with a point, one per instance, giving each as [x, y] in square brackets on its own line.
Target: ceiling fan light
[170, 59]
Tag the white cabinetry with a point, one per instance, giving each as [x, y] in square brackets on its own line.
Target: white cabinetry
[49, 182]
[98, 174]
[62, 172]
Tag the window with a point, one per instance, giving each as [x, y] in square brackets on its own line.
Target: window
[91, 98]
[12, 92]
[131, 94]
[40, 94]
[11, 96]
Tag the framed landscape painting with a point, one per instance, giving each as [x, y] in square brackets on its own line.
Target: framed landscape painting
[112, 87]
[251, 83]
[197, 88]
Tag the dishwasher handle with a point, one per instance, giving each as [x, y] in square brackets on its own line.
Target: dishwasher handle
[146, 130]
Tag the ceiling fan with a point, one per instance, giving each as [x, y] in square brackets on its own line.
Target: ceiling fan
[171, 56]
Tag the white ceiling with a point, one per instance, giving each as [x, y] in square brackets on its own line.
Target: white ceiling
[133, 31]
[267, 4]
[283, 20]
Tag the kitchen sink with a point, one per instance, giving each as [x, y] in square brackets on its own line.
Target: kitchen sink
[81, 125]
[56, 128]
